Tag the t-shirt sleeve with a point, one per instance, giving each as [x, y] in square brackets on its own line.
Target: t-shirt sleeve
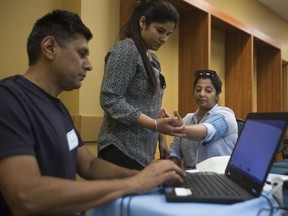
[15, 133]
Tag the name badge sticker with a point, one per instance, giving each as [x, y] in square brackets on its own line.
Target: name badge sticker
[72, 139]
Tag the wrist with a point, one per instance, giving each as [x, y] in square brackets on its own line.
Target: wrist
[155, 125]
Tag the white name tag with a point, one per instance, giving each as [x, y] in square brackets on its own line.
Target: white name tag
[72, 139]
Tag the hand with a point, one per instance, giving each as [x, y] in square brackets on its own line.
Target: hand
[156, 173]
[177, 115]
[163, 113]
[163, 147]
[170, 126]
[179, 118]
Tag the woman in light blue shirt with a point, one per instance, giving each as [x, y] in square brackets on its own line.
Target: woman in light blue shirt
[210, 131]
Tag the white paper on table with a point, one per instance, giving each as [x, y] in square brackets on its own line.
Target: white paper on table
[214, 164]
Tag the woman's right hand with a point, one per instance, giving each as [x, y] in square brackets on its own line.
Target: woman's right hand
[170, 126]
[164, 113]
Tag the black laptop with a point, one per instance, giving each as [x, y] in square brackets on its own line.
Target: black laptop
[247, 169]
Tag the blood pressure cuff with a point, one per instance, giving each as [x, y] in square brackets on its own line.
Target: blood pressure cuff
[216, 127]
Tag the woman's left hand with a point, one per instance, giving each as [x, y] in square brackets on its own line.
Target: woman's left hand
[163, 147]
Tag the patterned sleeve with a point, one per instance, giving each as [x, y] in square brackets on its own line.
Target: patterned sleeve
[121, 63]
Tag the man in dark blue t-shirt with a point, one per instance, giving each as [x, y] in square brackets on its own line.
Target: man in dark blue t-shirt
[40, 150]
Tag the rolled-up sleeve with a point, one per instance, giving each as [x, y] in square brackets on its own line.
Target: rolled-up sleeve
[216, 128]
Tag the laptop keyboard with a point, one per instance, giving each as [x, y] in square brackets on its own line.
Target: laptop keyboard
[209, 184]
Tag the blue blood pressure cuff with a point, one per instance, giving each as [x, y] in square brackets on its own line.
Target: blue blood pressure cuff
[216, 128]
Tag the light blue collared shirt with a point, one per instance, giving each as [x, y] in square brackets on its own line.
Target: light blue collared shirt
[222, 134]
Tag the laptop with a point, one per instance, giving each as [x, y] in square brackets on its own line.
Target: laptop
[247, 169]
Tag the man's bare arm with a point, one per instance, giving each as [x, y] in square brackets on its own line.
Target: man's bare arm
[29, 193]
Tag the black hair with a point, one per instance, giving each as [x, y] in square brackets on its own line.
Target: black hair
[210, 74]
[159, 11]
[62, 25]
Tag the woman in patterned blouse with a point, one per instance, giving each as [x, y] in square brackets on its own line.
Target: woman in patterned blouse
[132, 89]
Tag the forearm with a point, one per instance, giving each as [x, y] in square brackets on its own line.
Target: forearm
[195, 132]
[90, 167]
[101, 169]
[176, 152]
[27, 192]
[64, 196]
[145, 121]
[162, 138]
[163, 147]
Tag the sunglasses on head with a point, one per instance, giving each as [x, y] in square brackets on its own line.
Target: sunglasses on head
[205, 73]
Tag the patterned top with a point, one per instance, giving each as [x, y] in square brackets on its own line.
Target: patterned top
[222, 134]
[125, 94]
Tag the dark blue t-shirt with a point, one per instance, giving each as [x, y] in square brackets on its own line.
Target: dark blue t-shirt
[33, 122]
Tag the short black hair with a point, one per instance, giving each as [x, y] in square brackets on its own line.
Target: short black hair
[62, 25]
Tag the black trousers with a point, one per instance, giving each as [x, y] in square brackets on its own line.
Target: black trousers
[114, 155]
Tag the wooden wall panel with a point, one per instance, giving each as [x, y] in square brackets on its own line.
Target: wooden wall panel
[238, 73]
[285, 87]
[269, 80]
[126, 7]
[194, 54]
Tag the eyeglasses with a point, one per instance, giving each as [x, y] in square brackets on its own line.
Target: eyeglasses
[161, 76]
[162, 81]
[205, 73]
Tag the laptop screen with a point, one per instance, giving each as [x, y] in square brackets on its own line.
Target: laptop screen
[256, 147]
